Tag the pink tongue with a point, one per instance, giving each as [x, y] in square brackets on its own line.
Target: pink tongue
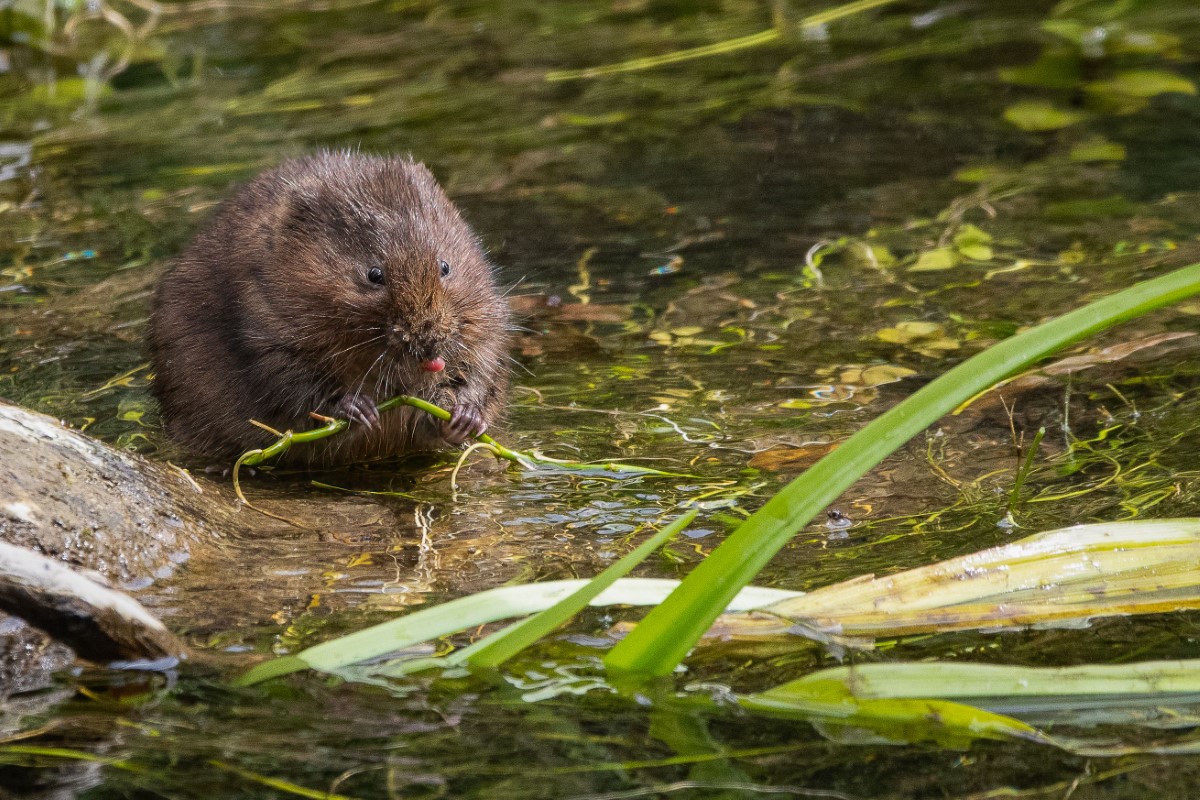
[433, 365]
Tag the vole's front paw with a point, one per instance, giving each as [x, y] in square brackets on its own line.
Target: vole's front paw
[357, 408]
[466, 422]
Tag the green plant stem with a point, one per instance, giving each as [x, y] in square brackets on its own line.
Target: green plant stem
[527, 460]
[1026, 467]
[662, 640]
[440, 413]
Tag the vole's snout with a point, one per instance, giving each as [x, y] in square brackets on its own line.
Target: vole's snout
[424, 342]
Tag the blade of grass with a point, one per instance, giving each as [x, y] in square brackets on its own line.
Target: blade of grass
[278, 783]
[503, 645]
[831, 702]
[664, 637]
[1014, 497]
[1001, 686]
[475, 610]
[717, 48]
[1065, 577]
[928, 701]
[65, 753]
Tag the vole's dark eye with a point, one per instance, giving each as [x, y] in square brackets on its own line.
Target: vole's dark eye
[375, 275]
[444, 267]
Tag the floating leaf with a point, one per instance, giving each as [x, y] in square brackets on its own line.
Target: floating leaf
[910, 331]
[977, 252]
[1148, 43]
[1098, 150]
[871, 255]
[1143, 84]
[1072, 30]
[973, 243]
[926, 338]
[592, 120]
[67, 91]
[876, 374]
[979, 174]
[935, 260]
[970, 235]
[1036, 115]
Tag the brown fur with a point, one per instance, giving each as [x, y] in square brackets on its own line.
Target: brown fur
[269, 313]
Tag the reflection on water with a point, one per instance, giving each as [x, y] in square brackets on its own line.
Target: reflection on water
[745, 254]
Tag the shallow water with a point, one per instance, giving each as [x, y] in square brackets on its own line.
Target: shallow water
[729, 242]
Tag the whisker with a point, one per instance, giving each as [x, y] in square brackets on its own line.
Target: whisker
[372, 340]
[520, 366]
[506, 291]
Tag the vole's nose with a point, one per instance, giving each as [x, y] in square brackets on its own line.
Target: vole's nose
[427, 352]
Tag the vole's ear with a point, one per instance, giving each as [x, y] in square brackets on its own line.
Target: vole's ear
[313, 211]
[302, 212]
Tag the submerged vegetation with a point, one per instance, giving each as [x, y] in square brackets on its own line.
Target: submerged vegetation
[743, 231]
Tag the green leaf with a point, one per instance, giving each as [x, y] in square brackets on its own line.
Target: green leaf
[832, 701]
[996, 685]
[976, 252]
[1098, 150]
[1072, 30]
[980, 174]
[1143, 83]
[911, 702]
[1040, 116]
[969, 234]
[664, 637]
[935, 260]
[973, 243]
[67, 92]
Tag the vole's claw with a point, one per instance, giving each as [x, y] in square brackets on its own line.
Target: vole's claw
[466, 422]
[357, 408]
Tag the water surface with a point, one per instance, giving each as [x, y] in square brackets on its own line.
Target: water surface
[719, 262]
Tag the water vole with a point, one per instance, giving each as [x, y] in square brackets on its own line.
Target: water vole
[327, 284]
